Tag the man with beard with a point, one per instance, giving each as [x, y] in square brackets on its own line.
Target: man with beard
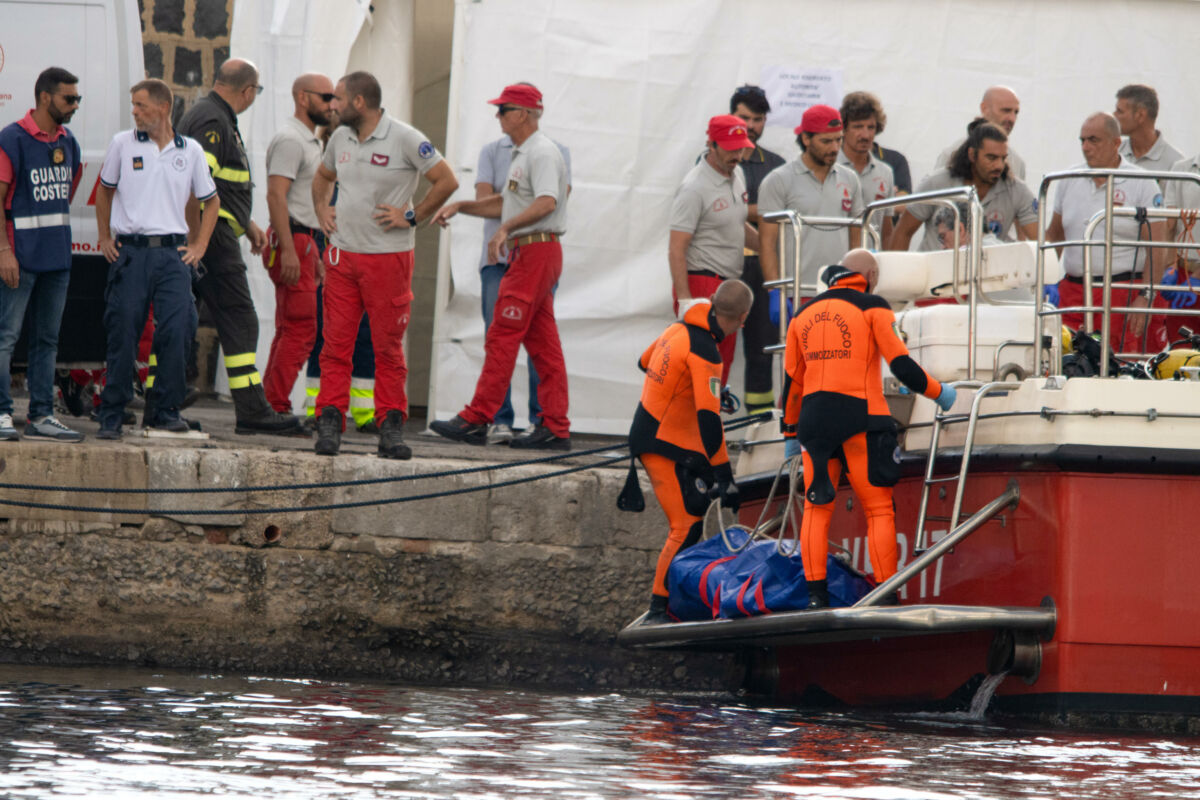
[979, 162]
[223, 287]
[749, 104]
[1075, 202]
[812, 185]
[149, 176]
[296, 242]
[376, 161]
[863, 116]
[999, 106]
[39, 171]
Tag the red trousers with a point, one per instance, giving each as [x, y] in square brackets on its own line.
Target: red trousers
[295, 323]
[1121, 340]
[525, 316]
[876, 502]
[380, 284]
[704, 286]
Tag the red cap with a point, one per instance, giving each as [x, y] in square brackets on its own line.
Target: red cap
[519, 94]
[820, 119]
[729, 132]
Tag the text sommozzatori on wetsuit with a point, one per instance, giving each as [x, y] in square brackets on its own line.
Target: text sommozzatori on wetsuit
[827, 317]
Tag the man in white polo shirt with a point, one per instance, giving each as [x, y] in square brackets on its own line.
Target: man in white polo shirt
[1075, 202]
[148, 176]
[293, 257]
[376, 161]
[533, 216]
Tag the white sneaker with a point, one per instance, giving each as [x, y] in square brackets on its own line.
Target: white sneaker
[7, 431]
[50, 428]
[499, 434]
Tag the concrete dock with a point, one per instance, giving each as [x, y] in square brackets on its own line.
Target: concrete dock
[524, 584]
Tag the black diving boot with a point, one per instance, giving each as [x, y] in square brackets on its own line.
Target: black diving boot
[657, 615]
[818, 595]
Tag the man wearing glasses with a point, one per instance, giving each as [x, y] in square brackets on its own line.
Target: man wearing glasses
[293, 255]
[39, 171]
[212, 122]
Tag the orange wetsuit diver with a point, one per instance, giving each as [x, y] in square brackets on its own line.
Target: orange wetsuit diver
[677, 430]
[834, 407]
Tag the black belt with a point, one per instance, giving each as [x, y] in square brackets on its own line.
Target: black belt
[296, 227]
[138, 240]
[1124, 277]
[707, 273]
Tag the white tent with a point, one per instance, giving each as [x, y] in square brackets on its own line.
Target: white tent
[629, 86]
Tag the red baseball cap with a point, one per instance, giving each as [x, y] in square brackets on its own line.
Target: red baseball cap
[729, 132]
[519, 94]
[820, 119]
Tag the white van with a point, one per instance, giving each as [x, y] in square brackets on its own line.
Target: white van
[101, 42]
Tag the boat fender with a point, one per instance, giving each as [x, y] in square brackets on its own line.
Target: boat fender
[631, 497]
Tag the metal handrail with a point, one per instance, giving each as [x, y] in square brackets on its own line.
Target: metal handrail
[1008, 499]
[1040, 307]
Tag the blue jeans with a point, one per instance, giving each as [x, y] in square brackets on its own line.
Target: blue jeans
[489, 278]
[48, 293]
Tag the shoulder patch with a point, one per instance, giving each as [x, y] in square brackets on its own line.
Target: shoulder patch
[1158, 201]
[212, 137]
[425, 150]
[714, 386]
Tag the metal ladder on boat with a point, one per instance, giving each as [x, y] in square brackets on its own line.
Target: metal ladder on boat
[983, 390]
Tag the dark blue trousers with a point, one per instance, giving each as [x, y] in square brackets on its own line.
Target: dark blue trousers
[141, 276]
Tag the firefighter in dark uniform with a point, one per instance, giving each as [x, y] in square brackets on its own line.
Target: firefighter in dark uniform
[212, 122]
[749, 103]
[677, 432]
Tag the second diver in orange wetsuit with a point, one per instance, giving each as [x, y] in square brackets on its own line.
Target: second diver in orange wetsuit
[835, 414]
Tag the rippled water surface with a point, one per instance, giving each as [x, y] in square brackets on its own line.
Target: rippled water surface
[131, 734]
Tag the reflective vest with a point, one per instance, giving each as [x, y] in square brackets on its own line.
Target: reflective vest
[44, 177]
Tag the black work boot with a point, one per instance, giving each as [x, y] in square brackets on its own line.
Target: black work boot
[818, 594]
[657, 615]
[459, 430]
[255, 415]
[329, 432]
[391, 437]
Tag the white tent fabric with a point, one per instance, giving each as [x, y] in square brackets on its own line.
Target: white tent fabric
[629, 86]
[286, 38]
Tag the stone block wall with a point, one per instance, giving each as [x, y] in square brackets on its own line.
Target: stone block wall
[183, 42]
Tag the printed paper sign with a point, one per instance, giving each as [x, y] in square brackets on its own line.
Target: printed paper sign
[791, 90]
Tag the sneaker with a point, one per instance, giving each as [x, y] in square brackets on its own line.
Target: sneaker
[111, 434]
[50, 428]
[459, 430]
[539, 437]
[391, 437]
[329, 432]
[129, 419]
[168, 422]
[7, 432]
[500, 434]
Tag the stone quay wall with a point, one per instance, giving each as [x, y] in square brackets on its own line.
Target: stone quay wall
[521, 585]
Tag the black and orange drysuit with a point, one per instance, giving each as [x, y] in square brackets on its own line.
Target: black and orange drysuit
[834, 404]
[677, 430]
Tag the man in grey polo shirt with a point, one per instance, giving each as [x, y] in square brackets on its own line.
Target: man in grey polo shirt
[709, 228]
[863, 116]
[293, 259]
[376, 161]
[999, 106]
[980, 162]
[812, 185]
[1144, 145]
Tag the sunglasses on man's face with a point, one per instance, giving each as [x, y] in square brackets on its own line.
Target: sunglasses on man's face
[326, 96]
[72, 99]
[502, 110]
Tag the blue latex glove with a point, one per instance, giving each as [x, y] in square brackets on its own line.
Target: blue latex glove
[791, 447]
[1051, 292]
[946, 399]
[773, 306]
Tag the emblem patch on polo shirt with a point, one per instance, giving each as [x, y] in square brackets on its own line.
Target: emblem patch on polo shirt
[425, 150]
[343, 157]
[379, 159]
[58, 156]
[137, 162]
[720, 204]
[179, 163]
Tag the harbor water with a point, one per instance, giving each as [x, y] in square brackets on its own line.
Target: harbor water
[121, 733]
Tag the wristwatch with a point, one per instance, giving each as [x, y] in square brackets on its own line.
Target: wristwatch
[410, 217]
